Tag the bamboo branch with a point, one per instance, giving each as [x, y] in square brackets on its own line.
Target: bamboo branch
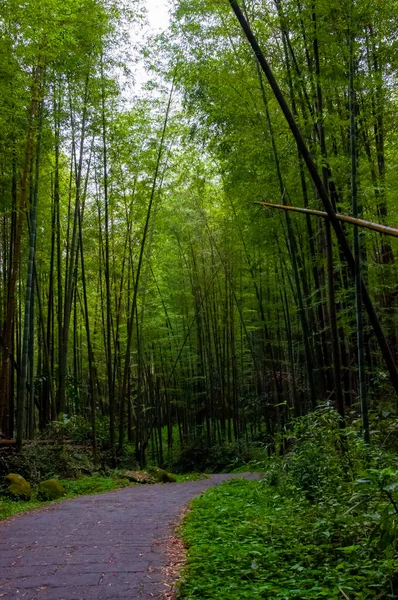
[345, 218]
[344, 594]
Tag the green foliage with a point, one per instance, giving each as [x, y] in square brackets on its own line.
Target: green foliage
[77, 429]
[378, 492]
[323, 520]
[322, 454]
[96, 484]
[216, 458]
[36, 462]
[128, 459]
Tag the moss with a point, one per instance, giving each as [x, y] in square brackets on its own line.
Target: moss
[18, 487]
[51, 489]
[153, 475]
[162, 476]
[139, 477]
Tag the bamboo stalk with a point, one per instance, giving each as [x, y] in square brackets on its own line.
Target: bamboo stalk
[322, 192]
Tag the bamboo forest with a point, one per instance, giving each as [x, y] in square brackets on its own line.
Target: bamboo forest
[198, 274]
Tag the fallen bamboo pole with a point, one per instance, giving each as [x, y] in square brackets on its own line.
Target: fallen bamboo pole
[392, 231]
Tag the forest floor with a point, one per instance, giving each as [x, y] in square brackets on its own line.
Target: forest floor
[107, 547]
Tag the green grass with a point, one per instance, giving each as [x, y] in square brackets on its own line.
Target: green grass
[8, 507]
[93, 484]
[246, 541]
[192, 477]
[253, 466]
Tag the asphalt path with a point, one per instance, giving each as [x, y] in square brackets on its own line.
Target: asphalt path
[106, 547]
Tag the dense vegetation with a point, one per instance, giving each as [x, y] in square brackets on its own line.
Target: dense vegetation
[321, 524]
[155, 307]
[142, 286]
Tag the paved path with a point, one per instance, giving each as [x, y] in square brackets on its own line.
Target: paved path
[105, 547]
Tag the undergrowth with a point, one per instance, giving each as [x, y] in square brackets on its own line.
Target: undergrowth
[217, 458]
[323, 523]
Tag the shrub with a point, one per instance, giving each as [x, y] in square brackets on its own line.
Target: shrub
[37, 462]
[199, 457]
[322, 523]
[78, 429]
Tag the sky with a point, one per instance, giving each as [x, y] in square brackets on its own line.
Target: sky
[157, 21]
[158, 14]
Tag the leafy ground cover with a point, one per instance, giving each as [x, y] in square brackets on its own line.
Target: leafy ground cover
[322, 523]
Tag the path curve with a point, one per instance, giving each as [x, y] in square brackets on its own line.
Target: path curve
[106, 547]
